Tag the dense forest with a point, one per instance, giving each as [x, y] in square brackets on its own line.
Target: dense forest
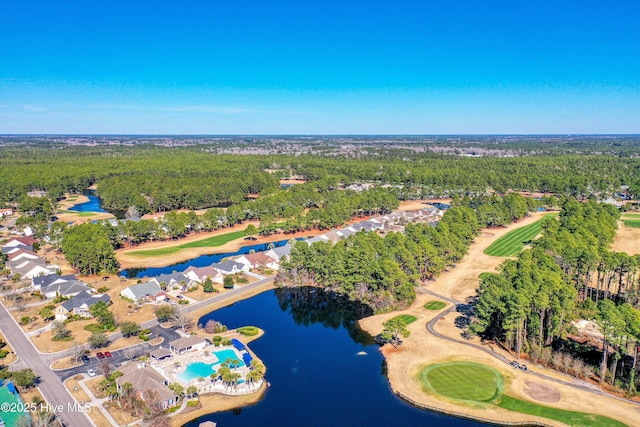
[159, 178]
[569, 273]
[383, 272]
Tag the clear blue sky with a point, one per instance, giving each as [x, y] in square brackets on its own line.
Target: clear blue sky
[330, 67]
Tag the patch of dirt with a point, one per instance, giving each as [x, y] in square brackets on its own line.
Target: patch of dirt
[542, 392]
[627, 240]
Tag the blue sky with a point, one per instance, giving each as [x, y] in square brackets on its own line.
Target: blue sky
[331, 67]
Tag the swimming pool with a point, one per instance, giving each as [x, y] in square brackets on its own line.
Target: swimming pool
[201, 369]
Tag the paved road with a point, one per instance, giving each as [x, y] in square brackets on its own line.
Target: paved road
[151, 324]
[50, 386]
[433, 322]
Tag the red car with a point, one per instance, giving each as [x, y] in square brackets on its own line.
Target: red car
[100, 355]
[107, 353]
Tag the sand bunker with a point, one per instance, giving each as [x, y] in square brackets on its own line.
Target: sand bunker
[542, 392]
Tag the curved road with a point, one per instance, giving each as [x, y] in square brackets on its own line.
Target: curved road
[434, 321]
[51, 387]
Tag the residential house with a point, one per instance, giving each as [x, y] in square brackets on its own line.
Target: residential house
[66, 289]
[230, 267]
[333, 236]
[147, 384]
[190, 343]
[280, 252]
[6, 212]
[30, 268]
[320, 238]
[79, 305]
[38, 283]
[37, 193]
[258, 260]
[174, 280]
[201, 274]
[23, 254]
[143, 292]
[20, 241]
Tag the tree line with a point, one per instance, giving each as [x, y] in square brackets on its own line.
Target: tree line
[569, 273]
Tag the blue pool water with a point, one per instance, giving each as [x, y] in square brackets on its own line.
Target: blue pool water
[93, 205]
[201, 369]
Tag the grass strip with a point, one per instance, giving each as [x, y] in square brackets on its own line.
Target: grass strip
[572, 418]
[514, 241]
[407, 318]
[435, 305]
[209, 242]
[631, 223]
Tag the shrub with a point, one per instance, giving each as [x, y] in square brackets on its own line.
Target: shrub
[3, 353]
[228, 282]
[183, 301]
[249, 331]
[25, 320]
[98, 340]
[216, 340]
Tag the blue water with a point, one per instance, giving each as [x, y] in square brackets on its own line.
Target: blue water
[317, 378]
[93, 205]
[201, 261]
[201, 369]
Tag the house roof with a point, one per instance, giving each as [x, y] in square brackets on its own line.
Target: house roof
[160, 353]
[25, 240]
[171, 278]
[186, 342]
[144, 378]
[85, 298]
[143, 289]
[67, 288]
[227, 265]
[12, 249]
[258, 258]
[45, 281]
[202, 272]
[282, 250]
[24, 252]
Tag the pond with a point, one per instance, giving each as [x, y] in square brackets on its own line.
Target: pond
[323, 369]
[93, 205]
[201, 261]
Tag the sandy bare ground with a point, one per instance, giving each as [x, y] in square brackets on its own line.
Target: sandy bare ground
[627, 240]
[421, 348]
[541, 392]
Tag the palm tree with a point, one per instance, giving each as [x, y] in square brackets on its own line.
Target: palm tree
[176, 365]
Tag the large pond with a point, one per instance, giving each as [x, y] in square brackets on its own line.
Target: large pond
[201, 261]
[93, 205]
[323, 369]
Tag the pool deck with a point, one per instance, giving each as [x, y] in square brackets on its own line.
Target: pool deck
[167, 369]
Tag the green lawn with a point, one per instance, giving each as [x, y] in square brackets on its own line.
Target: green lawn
[407, 318]
[577, 419]
[209, 242]
[435, 305]
[631, 223]
[463, 380]
[631, 216]
[478, 383]
[514, 241]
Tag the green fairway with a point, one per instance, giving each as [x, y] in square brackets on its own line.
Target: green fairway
[631, 216]
[514, 241]
[463, 380]
[434, 305]
[407, 318]
[631, 223]
[577, 419]
[209, 242]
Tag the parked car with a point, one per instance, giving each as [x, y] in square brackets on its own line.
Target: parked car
[100, 355]
[84, 358]
[107, 354]
[91, 373]
[179, 297]
[170, 301]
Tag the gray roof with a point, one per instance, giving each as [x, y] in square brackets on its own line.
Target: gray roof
[227, 265]
[171, 278]
[143, 289]
[282, 250]
[160, 353]
[85, 297]
[7, 249]
[186, 342]
[44, 281]
[67, 288]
